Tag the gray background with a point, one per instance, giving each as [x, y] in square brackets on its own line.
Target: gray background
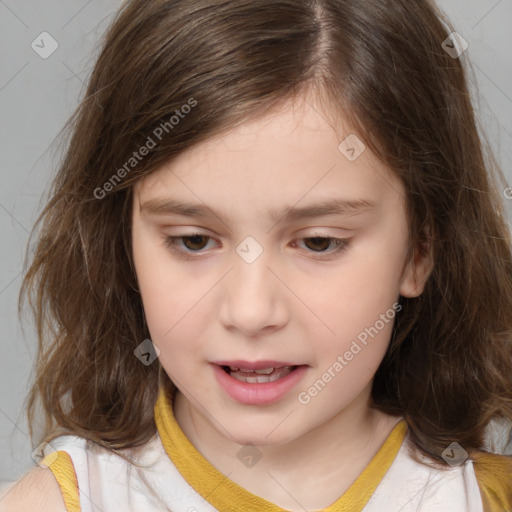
[36, 97]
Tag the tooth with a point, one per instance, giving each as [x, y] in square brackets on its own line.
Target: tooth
[278, 374]
[234, 368]
[264, 371]
[263, 378]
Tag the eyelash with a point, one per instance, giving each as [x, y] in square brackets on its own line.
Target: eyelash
[171, 243]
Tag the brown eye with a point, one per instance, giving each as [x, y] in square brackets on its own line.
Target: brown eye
[318, 243]
[190, 244]
[318, 246]
[195, 242]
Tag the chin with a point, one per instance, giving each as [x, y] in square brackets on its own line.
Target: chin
[262, 436]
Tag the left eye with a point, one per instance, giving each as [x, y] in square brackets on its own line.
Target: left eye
[195, 243]
[323, 241]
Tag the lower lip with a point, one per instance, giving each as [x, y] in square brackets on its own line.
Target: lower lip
[258, 393]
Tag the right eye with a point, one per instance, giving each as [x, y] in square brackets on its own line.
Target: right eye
[193, 243]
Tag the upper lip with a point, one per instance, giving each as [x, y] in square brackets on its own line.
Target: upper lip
[254, 365]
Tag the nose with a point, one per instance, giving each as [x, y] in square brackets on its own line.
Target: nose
[254, 299]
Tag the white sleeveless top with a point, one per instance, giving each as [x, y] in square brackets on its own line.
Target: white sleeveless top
[175, 477]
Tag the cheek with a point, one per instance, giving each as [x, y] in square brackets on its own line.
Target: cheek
[350, 358]
[358, 303]
[167, 294]
[360, 289]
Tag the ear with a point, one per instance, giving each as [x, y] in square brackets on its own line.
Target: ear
[417, 270]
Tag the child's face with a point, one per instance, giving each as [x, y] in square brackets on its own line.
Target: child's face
[299, 302]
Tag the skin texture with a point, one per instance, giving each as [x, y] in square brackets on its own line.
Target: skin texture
[36, 490]
[294, 303]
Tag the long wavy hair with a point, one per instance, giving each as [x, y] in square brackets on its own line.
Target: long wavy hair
[383, 64]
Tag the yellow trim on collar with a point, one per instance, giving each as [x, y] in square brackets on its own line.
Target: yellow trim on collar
[61, 466]
[494, 476]
[224, 494]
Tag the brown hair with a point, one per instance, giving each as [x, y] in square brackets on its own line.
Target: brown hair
[380, 62]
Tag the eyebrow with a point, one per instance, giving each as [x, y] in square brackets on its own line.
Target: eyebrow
[327, 207]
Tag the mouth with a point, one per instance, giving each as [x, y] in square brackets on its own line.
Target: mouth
[258, 382]
[261, 375]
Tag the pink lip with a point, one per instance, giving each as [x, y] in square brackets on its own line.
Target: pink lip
[255, 365]
[258, 393]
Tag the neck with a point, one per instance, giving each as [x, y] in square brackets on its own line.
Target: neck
[342, 447]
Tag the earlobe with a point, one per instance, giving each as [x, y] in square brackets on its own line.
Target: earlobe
[417, 271]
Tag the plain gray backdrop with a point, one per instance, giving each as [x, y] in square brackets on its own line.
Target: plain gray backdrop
[38, 94]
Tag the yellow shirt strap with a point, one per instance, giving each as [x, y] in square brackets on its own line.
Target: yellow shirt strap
[61, 466]
[494, 476]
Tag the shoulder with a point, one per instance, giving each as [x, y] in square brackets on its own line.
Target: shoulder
[36, 490]
[51, 485]
[494, 476]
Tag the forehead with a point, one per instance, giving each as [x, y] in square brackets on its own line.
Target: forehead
[293, 155]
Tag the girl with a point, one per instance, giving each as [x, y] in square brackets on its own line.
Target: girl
[274, 272]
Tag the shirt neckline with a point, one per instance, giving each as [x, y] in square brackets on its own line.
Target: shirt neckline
[224, 494]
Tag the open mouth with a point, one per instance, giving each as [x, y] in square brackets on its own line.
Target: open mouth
[258, 382]
[258, 376]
